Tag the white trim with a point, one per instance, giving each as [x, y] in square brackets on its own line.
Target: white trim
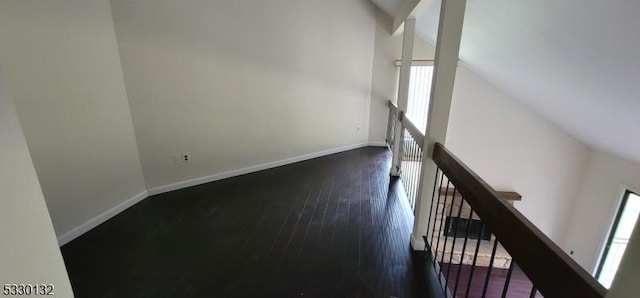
[206, 179]
[94, 222]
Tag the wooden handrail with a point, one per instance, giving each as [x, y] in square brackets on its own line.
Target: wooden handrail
[505, 195]
[551, 270]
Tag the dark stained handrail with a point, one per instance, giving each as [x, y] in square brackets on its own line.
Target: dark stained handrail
[551, 270]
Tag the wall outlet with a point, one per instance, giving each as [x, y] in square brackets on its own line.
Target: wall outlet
[358, 128]
[185, 157]
[177, 158]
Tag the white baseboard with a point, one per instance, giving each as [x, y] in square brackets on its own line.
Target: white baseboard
[206, 179]
[94, 222]
[417, 243]
[378, 144]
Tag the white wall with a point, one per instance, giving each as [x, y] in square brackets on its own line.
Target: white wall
[388, 49]
[242, 83]
[28, 251]
[514, 149]
[508, 145]
[600, 193]
[61, 64]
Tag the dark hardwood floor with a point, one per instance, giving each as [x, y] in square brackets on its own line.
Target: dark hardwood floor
[334, 226]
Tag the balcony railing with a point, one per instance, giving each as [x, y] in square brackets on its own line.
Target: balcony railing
[481, 246]
[410, 150]
[391, 124]
[516, 247]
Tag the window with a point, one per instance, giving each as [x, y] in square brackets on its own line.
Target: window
[419, 92]
[619, 235]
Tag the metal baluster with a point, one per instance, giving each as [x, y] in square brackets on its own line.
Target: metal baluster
[407, 165]
[506, 282]
[401, 150]
[455, 235]
[464, 247]
[433, 197]
[435, 216]
[486, 281]
[533, 291]
[393, 129]
[390, 128]
[446, 237]
[416, 172]
[413, 173]
[401, 147]
[475, 259]
[446, 193]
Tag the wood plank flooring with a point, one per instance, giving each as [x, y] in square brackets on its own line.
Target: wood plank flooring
[334, 226]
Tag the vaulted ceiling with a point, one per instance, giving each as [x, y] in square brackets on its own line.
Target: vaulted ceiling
[574, 62]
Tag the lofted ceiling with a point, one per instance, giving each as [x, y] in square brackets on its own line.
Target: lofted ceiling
[574, 62]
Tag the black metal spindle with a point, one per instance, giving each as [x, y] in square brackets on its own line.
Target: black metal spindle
[401, 150]
[533, 292]
[418, 173]
[393, 127]
[446, 194]
[435, 216]
[464, 247]
[413, 173]
[433, 196]
[486, 280]
[446, 236]
[389, 119]
[455, 236]
[508, 280]
[473, 265]
[410, 169]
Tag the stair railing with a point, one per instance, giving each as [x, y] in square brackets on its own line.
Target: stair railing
[514, 244]
[410, 164]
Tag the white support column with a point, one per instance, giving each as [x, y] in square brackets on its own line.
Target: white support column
[403, 89]
[444, 73]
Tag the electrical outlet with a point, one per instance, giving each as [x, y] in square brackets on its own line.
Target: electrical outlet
[186, 157]
[358, 128]
[177, 158]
